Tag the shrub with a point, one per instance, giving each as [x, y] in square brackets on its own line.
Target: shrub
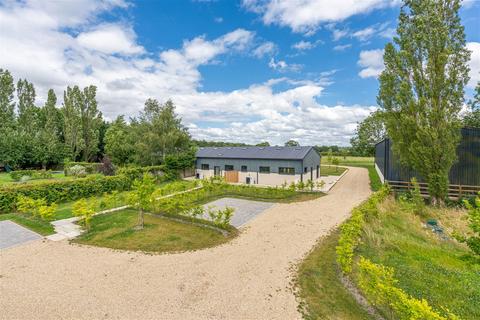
[351, 230]
[47, 212]
[221, 218]
[77, 171]
[90, 167]
[33, 174]
[378, 284]
[137, 172]
[107, 167]
[36, 207]
[64, 190]
[84, 210]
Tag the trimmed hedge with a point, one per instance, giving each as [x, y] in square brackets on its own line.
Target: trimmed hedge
[65, 190]
[160, 171]
[33, 174]
[90, 167]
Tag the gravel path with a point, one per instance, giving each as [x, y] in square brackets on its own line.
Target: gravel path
[248, 278]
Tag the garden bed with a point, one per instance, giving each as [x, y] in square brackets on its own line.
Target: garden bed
[117, 231]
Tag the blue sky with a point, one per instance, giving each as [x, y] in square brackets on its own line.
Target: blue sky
[249, 71]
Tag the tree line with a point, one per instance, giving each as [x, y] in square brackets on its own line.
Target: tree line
[44, 136]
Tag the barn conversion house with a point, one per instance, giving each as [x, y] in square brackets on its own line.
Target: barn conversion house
[259, 165]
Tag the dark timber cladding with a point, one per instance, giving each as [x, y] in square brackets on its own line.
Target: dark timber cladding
[466, 171]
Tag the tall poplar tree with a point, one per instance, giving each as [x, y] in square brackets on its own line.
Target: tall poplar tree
[422, 89]
[10, 151]
[91, 120]
[72, 130]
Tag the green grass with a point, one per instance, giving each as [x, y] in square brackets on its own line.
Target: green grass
[442, 272]
[116, 231]
[350, 160]
[322, 293]
[6, 179]
[40, 226]
[327, 170]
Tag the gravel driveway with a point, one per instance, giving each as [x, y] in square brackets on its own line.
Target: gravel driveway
[247, 278]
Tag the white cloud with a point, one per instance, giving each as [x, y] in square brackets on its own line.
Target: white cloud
[307, 15]
[338, 34]
[342, 47]
[474, 64]
[364, 34]
[303, 45]
[110, 38]
[126, 74]
[282, 66]
[267, 48]
[372, 63]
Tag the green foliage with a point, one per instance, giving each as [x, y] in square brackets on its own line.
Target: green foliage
[119, 142]
[422, 89]
[134, 173]
[33, 174]
[472, 118]
[352, 229]
[84, 209]
[219, 217]
[378, 284]
[368, 133]
[36, 207]
[77, 171]
[413, 199]
[473, 241]
[65, 190]
[292, 143]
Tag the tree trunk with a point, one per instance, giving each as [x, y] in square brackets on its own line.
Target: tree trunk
[140, 219]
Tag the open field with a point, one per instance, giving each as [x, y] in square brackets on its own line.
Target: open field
[116, 231]
[441, 271]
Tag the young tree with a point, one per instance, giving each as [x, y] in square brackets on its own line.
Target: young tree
[141, 196]
[472, 118]
[292, 143]
[91, 119]
[72, 99]
[370, 131]
[119, 142]
[159, 132]
[422, 88]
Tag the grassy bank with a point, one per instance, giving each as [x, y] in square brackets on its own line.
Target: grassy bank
[322, 293]
[441, 271]
[116, 231]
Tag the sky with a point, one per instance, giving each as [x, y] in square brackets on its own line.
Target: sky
[245, 71]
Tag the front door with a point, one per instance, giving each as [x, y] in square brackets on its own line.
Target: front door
[216, 171]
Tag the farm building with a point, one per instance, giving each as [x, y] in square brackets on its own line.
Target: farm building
[465, 173]
[259, 165]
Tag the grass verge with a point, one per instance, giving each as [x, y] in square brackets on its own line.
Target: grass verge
[327, 170]
[322, 293]
[39, 226]
[116, 231]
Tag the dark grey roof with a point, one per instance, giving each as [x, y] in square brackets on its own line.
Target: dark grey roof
[286, 153]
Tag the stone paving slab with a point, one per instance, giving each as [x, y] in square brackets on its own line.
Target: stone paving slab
[12, 234]
[245, 210]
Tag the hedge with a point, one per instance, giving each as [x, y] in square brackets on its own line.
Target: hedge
[33, 174]
[160, 171]
[90, 167]
[64, 190]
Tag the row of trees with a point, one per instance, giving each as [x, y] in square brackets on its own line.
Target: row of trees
[34, 136]
[41, 135]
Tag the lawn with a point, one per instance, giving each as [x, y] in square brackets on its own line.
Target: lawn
[441, 271]
[322, 293]
[6, 179]
[327, 170]
[35, 224]
[116, 231]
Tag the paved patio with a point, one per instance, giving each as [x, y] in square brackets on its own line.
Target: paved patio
[12, 234]
[245, 210]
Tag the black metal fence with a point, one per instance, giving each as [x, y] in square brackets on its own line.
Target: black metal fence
[466, 171]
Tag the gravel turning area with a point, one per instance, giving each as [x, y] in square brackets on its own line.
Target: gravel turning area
[245, 210]
[247, 278]
[12, 234]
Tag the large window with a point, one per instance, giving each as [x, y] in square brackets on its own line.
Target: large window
[244, 169]
[228, 167]
[205, 166]
[264, 169]
[284, 170]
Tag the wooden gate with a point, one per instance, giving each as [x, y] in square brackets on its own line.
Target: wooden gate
[231, 176]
